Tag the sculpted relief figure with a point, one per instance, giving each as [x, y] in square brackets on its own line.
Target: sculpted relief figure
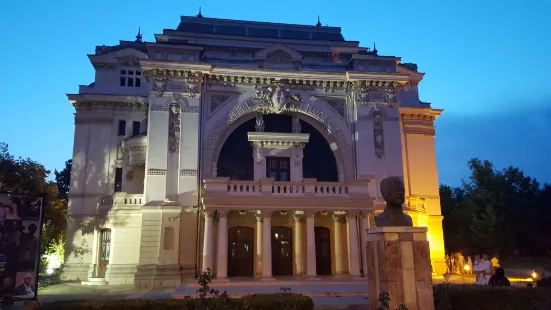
[393, 191]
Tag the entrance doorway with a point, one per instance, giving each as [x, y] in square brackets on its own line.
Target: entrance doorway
[240, 252]
[282, 251]
[323, 251]
[104, 251]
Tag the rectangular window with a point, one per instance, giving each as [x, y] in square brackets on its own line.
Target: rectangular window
[122, 128]
[118, 180]
[123, 81]
[278, 168]
[138, 82]
[128, 78]
[130, 82]
[135, 128]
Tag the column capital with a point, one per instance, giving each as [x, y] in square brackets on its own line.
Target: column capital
[223, 213]
[259, 217]
[298, 217]
[337, 217]
[350, 215]
[310, 213]
[208, 214]
[266, 213]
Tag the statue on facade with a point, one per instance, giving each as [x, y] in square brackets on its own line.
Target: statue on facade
[393, 191]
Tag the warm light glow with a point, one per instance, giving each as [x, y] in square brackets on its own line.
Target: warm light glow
[534, 275]
[50, 270]
[467, 267]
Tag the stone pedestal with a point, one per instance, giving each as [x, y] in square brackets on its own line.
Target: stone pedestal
[398, 262]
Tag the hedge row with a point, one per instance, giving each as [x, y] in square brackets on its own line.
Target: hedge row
[283, 301]
[474, 297]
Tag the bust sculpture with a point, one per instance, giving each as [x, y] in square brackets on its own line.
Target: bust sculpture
[393, 192]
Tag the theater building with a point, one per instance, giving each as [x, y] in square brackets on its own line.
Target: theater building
[252, 149]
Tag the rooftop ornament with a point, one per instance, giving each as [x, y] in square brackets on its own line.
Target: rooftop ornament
[139, 36]
[199, 15]
[319, 23]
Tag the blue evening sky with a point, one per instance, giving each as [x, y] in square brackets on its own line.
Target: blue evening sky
[486, 65]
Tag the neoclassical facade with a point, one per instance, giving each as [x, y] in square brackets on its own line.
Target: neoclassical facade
[248, 148]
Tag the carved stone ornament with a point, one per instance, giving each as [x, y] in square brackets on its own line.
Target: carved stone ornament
[259, 125]
[174, 125]
[159, 85]
[193, 85]
[378, 137]
[297, 128]
[275, 98]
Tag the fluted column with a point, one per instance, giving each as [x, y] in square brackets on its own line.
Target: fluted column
[258, 247]
[298, 244]
[222, 257]
[310, 245]
[339, 268]
[267, 244]
[363, 244]
[207, 241]
[353, 254]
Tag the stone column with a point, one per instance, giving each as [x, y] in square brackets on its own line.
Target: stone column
[267, 244]
[222, 257]
[258, 247]
[339, 269]
[298, 245]
[207, 241]
[363, 229]
[354, 256]
[310, 245]
[399, 264]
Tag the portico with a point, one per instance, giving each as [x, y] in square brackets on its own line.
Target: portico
[282, 243]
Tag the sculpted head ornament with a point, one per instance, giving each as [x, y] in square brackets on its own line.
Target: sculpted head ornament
[393, 191]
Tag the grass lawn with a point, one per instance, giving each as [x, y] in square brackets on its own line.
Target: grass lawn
[527, 263]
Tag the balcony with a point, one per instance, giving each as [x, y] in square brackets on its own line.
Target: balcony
[135, 149]
[106, 203]
[357, 195]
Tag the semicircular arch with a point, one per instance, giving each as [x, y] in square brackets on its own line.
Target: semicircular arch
[210, 156]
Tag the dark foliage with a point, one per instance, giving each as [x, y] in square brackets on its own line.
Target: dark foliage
[497, 212]
[474, 297]
[285, 301]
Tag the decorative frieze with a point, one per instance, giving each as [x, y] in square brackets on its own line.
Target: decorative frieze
[420, 131]
[156, 171]
[85, 106]
[381, 92]
[159, 85]
[188, 172]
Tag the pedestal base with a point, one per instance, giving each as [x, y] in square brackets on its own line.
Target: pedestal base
[398, 263]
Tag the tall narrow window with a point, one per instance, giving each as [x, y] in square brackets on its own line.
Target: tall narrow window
[135, 128]
[118, 180]
[122, 128]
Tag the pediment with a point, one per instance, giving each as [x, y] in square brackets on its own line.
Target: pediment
[279, 52]
[118, 56]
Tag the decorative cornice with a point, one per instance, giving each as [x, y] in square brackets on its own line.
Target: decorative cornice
[156, 171]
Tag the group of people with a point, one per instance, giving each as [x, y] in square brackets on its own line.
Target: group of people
[487, 271]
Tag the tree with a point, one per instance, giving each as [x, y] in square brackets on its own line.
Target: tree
[63, 179]
[497, 211]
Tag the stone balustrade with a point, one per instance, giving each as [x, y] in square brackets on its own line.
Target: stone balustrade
[135, 148]
[307, 187]
[105, 203]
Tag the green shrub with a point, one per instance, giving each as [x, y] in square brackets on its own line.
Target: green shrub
[474, 297]
[284, 301]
